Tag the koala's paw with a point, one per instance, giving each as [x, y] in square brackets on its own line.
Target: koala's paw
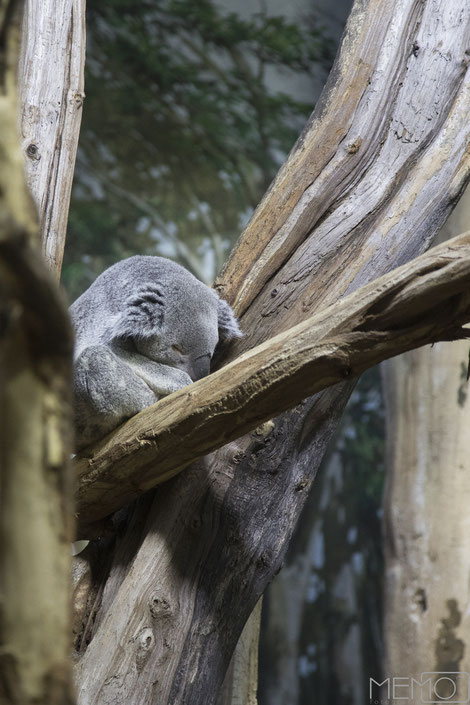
[179, 379]
[176, 379]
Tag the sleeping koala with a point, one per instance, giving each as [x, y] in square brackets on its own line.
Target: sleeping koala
[144, 329]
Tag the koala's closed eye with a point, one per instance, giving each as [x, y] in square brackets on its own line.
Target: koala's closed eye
[178, 349]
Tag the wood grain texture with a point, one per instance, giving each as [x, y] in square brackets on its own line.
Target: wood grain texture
[51, 80]
[384, 174]
[421, 302]
[388, 118]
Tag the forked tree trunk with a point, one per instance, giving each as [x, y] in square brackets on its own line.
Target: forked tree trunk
[372, 178]
[36, 524]
[427, 522]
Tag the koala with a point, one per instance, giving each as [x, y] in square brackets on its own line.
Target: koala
[144, 329]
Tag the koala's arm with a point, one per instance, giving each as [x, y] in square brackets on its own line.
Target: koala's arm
[162, 379]
[107, 392]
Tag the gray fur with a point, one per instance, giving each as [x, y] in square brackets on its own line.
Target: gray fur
[144, 329]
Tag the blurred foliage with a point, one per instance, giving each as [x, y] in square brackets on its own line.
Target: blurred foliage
[336, 553]
[182, 129]
[361, 444]
[351, 529]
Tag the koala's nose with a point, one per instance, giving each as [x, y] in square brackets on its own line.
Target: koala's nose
[200, 367]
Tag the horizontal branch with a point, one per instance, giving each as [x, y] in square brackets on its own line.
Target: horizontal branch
[422, 302]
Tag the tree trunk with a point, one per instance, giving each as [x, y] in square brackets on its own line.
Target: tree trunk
[51, 86]
[192, 560]
[35, 432]
[427, 525]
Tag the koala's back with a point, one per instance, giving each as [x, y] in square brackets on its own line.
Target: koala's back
[96, 312]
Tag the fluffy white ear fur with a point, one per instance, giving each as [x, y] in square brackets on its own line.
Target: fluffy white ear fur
[143, 315]
[228, 324]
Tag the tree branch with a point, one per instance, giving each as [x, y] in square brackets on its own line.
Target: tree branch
[421, 302]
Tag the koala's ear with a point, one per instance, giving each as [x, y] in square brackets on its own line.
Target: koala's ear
[228, 324]
[143, 314]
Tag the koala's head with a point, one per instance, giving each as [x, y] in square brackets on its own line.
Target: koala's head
[177, 320]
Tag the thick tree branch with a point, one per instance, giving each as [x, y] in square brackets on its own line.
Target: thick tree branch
[421, 302]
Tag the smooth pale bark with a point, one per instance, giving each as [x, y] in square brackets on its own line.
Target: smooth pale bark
[51, 87]
[35, 431]
[365, 189]
[421, 302]
[427, 522]
[240, 686]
